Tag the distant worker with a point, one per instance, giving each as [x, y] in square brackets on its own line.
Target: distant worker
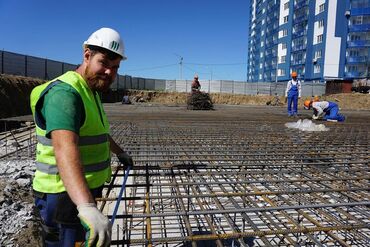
[126, 99]
[195, 85]
[325, 110]
[74, 146]
[292, 94]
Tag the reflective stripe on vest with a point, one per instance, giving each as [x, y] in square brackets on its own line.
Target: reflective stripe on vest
[82, 141]
[53, 169]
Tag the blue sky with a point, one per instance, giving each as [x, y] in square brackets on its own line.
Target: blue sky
[210, 35]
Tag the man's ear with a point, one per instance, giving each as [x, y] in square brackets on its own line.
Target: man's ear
[87, 54]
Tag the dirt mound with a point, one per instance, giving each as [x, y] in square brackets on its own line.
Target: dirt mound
[347, 101]
[15, 95]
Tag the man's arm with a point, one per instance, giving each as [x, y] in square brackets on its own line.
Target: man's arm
[114, 147]
[288, 86]
[122, 156]
[67, 154]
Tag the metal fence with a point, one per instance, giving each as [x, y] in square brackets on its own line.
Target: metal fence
[245, 88]
[46, 69]
[17, 64]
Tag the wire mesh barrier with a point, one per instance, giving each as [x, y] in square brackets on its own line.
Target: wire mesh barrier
[198, 182]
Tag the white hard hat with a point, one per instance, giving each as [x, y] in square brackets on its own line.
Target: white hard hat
[109, 39]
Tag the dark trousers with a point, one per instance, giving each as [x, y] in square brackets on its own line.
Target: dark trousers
[60, 225]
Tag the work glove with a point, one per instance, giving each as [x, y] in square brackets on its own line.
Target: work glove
[97, 226]
[125, 159]
[314, 117]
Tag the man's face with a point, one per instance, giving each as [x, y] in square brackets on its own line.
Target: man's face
[100, 71]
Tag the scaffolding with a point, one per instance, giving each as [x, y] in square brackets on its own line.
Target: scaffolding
[199, 182]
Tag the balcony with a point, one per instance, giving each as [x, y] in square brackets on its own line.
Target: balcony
[298, 48]
[360, 11]
[357, 59]
[300, 18]
[298, 62]
[358, 43]
[271, 7]
[299, 33]
[355, 74]
[359, 28]
[300, 3]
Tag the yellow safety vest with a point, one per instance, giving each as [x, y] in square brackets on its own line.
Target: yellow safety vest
[93, 139]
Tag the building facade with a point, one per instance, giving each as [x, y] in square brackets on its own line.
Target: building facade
[319, 39]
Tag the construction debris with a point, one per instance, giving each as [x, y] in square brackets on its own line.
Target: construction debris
[275, 101]
[16, 203]
[199, 101]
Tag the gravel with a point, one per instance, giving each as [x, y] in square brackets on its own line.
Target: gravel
[17, 217]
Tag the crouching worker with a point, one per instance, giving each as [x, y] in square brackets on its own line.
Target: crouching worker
[325, 110]
[74, 146]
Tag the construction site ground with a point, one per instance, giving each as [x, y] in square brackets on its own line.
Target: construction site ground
[233, 176]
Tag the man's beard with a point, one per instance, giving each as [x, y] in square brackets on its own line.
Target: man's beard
[98, 82]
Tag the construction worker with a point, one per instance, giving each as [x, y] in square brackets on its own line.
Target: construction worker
[325, 110]
[195, 85]
[292, 94]
[74, 146]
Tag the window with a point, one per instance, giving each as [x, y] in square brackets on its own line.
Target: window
[318, 54]
[261, 65]
[317, 68]
[281, 72]
[354, 53]
[286, 6]
[321, 23]
[319, 38]
[285, 32]
[286, 19]
[282, 59]
[262, 43]
[283, 46]
[321, 7]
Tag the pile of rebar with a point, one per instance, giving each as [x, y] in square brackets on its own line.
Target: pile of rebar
[218, 183]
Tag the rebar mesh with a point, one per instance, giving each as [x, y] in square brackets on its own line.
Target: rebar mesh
[230, 183]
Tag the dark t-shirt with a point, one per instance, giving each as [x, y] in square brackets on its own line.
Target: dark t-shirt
[63, 109]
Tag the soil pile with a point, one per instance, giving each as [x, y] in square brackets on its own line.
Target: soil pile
[15, 95]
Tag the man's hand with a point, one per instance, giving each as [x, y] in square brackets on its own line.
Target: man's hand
[315, 117]
[285, 100]
[125, 159]
[97, 226]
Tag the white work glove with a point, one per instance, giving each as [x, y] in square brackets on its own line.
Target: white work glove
[314, 117]
[97, 226]
[125, 159]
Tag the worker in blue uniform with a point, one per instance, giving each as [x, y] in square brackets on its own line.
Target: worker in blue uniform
[292, 94]
[326, 110]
